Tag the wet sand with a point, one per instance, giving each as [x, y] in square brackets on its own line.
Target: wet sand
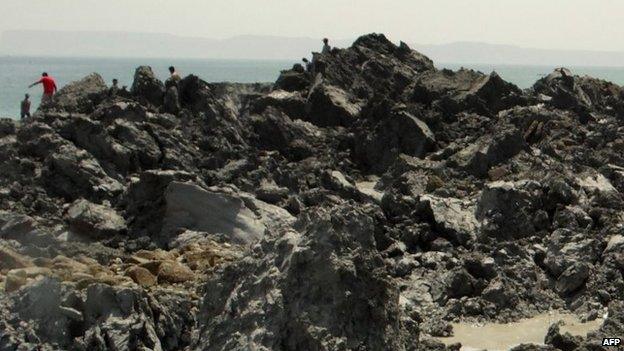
[495, 337]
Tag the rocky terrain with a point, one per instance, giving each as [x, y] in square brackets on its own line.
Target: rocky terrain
[361, 206]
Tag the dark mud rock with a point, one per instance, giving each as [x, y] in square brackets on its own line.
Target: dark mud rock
[500, 294]
[489, 151]
[573, 278]
[293, 139]
[194, 93]
[379, 44]
[372, 66]
[80, 96]
[496, 93]
[291, 103]
[41, 304]
[533, 347]
[459, 283]
[73, 173]
[453, 218]
[560, 192]
[330, 106]
[613, 325]
[433, 345]
[143, 150]
[398, 133]
[120, 146]
[94, 221]
[507, 209]
[311, 311]
[291, 80]
[39, 140]
[105, 318]
[147, 88]
[14, 226]
[563, 342]
[121, 110]
[7, 127]
[567, 249]
[172, 100]
[126, 318]
[465, 90]
[582, 94]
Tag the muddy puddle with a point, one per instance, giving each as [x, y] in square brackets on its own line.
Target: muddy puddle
[499, 337]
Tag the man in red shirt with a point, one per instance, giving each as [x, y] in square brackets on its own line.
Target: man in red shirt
[49, 87]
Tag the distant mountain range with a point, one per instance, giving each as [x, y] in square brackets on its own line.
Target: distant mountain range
[123, 44]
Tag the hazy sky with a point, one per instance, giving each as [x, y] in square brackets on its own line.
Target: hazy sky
[557, 24]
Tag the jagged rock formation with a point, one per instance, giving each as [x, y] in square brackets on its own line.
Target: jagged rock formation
[360, 206]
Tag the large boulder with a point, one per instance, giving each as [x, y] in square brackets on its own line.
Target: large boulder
[318, 289]
[292, 138]
[291, 80]
[507, 209]
[145, 202]
[329, 106]
[39, 140]
[94, 221]
[399, 133]
[120, 147]
[291, 103]
[73, 173]
[488, 151]
[103, 317]
[147, 88]
[562, 89]
[573, 278]
[453, 218]
[80, 96]
[194, 93]
[240, 218]
[465, 90]
[566, 249]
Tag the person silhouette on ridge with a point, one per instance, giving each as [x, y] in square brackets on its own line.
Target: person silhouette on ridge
[326, 48]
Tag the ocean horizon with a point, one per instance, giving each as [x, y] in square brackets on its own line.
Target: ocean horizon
[18, 72]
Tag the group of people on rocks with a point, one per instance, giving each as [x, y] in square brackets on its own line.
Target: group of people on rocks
[50, 87]
[309, 65]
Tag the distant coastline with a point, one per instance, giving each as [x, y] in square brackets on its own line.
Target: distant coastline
[126, 45]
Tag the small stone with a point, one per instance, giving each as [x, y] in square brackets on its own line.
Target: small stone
[173, 272]
[13, 282]
[141, 276]
[10, 259]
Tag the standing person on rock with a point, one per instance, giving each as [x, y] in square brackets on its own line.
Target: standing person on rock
[49, 87]
[326, 48]
[25, 107]
[307, 64]
[174, 75]
[172, 96]
[114, 89]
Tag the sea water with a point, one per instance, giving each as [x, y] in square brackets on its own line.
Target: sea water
[16, 73]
